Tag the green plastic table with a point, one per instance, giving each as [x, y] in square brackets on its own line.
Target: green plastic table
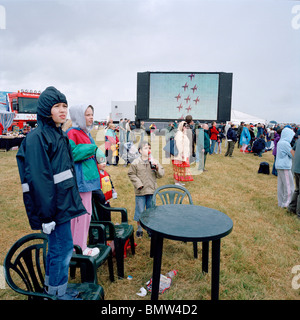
[189, 223]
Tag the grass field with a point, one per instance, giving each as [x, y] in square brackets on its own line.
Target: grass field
[256, 258]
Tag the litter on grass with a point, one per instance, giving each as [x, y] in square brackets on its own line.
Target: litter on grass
[164, 284]
[142, 292]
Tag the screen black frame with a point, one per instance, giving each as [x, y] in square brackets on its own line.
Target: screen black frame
[224, 96]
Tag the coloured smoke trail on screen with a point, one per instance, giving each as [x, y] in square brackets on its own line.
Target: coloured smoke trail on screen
[175, 95]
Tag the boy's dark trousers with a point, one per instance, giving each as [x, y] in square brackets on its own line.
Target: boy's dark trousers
[230, 148]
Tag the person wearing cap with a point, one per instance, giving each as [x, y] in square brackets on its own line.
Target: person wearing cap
[50, 194]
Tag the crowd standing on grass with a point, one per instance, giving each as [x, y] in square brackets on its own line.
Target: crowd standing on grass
[60, 171]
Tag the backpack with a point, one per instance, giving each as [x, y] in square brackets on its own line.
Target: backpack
[264, 168]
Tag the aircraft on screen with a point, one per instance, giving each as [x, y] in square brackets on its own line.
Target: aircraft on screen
[178, 97]
[185, 86]
[188, 109]
[187, 99]
[192, 75]
[195, 88]
[196, 100]
[180, 107]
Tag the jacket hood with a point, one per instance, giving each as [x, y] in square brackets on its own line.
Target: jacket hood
[48, 98]
[287, 134]
[78, 119]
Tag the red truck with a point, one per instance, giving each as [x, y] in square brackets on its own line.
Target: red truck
[24, 104]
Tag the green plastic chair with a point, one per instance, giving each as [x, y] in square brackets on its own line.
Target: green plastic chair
[119, 233]
[24, 269]
[172, 194]
[89, 265]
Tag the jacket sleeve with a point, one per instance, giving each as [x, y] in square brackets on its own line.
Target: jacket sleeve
[37, 179]
[137, 183]
[82, 151]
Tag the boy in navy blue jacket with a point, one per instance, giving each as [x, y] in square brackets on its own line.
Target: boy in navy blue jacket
[231, 139]
[50, 192]
[259, 146]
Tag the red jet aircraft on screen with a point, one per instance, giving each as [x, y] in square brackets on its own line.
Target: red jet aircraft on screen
[185, 86]
[188, 109]
[192, 75]
[178, 97]
[180, 107]
[187, 99]
[195, 88]
[196, 100]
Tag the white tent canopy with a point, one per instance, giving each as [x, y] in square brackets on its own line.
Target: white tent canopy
[237, 117]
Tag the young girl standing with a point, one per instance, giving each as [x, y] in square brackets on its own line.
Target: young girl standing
[87, 174]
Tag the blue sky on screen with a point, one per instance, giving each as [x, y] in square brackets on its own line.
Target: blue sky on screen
[177, 95]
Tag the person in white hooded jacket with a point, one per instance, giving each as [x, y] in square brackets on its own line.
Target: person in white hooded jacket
[283, 164]
[87, 175]
[181, 163]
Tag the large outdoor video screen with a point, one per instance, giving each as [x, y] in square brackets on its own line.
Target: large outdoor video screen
[177, 95]
[174, 95]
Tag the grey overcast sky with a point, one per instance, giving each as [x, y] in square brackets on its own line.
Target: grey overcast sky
[92, 50]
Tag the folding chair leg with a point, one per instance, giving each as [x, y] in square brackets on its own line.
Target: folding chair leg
[88, 272]
[132, 244]
[72, 272]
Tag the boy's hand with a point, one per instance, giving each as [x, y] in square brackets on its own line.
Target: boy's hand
[140, 188]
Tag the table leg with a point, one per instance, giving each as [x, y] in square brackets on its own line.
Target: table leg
[215, 274]
[205, 252]
[157, 255]
[195, 247]
[152, 246]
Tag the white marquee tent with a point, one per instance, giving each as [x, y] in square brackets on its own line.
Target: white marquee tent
[237, 117]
